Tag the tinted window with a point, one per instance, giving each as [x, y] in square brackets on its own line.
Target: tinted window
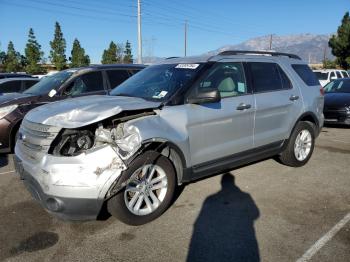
[286, 83]
[266, 77]
[321, 75]
[306, 75]
[332, 75]
[87, 83]
[228, 78]
[116, 77]
[339, 75]
[338, 86]
[28, 84]
[10, 87]
[134, 71]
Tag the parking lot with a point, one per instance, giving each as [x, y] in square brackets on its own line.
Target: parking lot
[265, 211]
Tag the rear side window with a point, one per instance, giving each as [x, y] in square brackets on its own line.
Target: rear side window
[339, 75]
[10, 87]
[87, 83]
[116, 77]
[268, 77]
[28, 84]
[305, 73]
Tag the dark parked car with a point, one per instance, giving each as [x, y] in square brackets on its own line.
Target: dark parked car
[11, 75]
[92, 80]
[337, 102]
[16, 84]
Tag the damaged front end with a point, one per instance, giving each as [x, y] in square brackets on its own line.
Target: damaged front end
[76, 163]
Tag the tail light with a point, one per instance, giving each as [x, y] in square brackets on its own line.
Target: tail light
[321, 91]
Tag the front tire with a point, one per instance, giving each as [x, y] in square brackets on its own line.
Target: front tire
[300, 145]
[149, 193]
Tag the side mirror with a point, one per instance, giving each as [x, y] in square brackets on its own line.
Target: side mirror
[333, 78]
[207, 95]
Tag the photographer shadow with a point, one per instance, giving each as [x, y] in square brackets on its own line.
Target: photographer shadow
[224, 229]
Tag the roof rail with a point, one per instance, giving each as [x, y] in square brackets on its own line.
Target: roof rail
[242, 52]
[171, 57]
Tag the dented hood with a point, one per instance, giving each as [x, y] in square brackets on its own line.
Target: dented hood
[78, 112]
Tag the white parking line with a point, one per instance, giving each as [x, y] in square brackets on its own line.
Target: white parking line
[323, 240]
[8, 172]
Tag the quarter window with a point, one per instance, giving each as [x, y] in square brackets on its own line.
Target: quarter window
[305, 73]
[268, 77]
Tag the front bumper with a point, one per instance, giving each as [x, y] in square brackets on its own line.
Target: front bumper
[71, 188]
[5, 130]
[340, 117]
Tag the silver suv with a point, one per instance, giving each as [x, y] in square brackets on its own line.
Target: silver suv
[172, 123]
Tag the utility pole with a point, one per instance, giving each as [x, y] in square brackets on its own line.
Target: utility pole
[325, 53]
[270, 42]
[185, 37]
[139, 39]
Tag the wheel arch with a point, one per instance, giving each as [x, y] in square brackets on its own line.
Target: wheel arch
[308, 117]
[170, 150]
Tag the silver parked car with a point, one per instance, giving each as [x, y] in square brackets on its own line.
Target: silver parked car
[174, 122]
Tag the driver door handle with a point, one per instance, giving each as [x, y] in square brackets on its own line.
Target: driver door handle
[243, 106]
[293, 98]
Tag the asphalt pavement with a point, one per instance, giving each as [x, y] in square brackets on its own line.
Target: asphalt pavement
[261, 212]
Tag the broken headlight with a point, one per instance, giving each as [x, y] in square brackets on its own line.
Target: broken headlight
[74, 142]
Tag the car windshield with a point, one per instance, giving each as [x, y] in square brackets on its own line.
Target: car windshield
[321, 75]
[158, 82]
[46, 84]
[338, 86]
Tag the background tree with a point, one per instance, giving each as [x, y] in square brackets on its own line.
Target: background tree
[58, 49]
[12, 61]
[78, 57]
[340, 43]
[128, 59]
[33, 54]
[112, 55]
[329, 64]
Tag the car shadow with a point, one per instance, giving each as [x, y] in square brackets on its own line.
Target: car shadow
[224, 229]
[3, 160]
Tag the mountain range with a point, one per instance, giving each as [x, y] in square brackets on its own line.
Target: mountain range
[310, 47]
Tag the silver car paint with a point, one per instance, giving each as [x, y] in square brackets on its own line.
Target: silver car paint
[201, 132]
[74, 113]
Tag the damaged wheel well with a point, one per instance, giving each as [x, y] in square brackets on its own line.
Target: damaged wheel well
[169, 150]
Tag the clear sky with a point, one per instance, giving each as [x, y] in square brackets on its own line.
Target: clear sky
[211, 24]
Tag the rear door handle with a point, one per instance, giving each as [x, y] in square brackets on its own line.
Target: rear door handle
[243, 106]
[293, 98]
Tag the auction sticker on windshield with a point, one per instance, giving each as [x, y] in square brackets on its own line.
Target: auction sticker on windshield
[187, 66]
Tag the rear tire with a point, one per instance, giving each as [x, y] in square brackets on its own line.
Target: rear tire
[149, 194]
[300, 145]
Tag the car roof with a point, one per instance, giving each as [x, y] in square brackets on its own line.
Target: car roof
[109, 66]
[326, 70]
[240, 54]
[14, 74]
[3, 80]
